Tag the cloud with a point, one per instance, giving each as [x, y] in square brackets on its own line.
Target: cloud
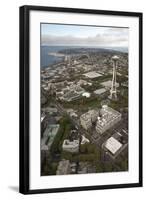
[116, 37]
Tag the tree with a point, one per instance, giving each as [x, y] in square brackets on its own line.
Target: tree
[53, 168]
[99, 168]
[108, 167]
[124, 165]
[90, 148]
[55, 144]
[83, 148]
[66, 155]
[62, 134]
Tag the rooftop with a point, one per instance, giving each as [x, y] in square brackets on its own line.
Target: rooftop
[100, 91]
[115, 57]
[92, 74]
[73, 92]
[50, 133]
[113, 145]
[107, 115]
[71, 144]
[63, 167]
[88, 115]
[108, 84]
[84, 140]
[86, 94]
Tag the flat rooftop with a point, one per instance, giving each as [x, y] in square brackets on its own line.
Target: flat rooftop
[108, 84]
[88, 115]
[70, 144]
[50, 133]
[108, 115]
[113, 145]
[100, 91]
[92, 74]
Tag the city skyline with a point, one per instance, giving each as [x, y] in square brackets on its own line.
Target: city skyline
[84, 99]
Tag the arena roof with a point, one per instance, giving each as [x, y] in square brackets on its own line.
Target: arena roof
[92, 74]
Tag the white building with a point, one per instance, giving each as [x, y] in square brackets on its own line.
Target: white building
[112, 145]
[73, 92]
[84, 140]
[86, 94]
[83, 82]
[92, 74]
[71, 146]
[88, 118]
[108, 117]
[107, 84]
[100, 91]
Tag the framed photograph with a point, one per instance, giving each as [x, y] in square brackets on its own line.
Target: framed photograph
[80, 99]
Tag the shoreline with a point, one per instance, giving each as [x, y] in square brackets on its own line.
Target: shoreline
[56, 54]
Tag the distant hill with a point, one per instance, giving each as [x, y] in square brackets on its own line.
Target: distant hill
[88, 50]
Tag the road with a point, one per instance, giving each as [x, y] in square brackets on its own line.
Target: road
[98, 142]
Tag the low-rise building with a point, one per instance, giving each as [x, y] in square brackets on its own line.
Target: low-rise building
[48, 136]
[84, 140]
[63, 167]
[125, 84]
[92, 74]
[49, 110]
[86, 94]
[100, 91]
[107, 84]
[83, 82]
[112, 145]
[71, 146]
[73, 92]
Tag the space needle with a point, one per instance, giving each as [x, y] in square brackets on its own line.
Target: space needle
[113, 91]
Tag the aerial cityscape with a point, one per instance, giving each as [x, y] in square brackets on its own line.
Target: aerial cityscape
[84, 99]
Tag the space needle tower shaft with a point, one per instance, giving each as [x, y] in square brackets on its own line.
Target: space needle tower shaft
[113, 91]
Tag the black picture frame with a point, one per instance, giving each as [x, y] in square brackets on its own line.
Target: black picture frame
[25, 105]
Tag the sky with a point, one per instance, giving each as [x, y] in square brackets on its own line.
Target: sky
[73, 35]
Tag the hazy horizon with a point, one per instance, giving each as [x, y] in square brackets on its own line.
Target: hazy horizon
[75, 35]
